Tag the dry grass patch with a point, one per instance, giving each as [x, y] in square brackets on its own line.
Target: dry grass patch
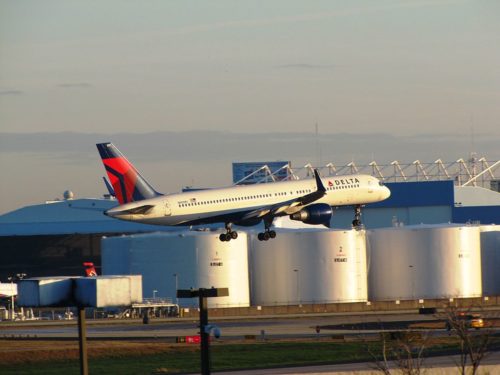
[33, 351]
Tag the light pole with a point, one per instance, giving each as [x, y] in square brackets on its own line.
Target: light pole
[297, 277]
[21, 276]
[203, 295]
[176, 288]
[11, 279]
[412, 282]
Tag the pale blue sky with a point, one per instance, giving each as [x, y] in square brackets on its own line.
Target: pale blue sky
[395, 66]
[425, 68]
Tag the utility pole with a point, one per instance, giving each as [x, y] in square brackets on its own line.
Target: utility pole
[297, 279]
[11, 279]
[202, 295]
[82, 341]
[21, 276]
[176, 288]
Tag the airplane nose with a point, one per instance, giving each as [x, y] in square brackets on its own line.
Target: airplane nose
[386, 193]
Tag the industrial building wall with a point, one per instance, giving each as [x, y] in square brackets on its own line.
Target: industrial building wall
[48, 255]
[476, 214]
[428, 202]
[383, 217]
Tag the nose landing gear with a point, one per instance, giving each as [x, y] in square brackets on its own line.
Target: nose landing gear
[356, 223]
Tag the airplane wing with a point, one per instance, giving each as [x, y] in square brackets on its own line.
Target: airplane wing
[291, 206]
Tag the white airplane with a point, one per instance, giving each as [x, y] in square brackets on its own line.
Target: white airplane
[309, 201]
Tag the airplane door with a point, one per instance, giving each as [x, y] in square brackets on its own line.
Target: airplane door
[370, 186]
[168, 211]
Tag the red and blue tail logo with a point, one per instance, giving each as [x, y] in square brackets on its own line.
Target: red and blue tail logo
[127, 182]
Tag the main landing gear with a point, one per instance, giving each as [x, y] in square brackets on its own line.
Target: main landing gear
[268, 233]
[356, 223]
[229, 235]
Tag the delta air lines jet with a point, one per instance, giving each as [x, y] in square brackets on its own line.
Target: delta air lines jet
[309, 201]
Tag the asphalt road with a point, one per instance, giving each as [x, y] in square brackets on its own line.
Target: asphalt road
[277, 327]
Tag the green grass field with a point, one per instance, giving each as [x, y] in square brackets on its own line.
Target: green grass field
[138, 357]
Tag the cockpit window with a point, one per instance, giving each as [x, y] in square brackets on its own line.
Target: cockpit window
[381, 183]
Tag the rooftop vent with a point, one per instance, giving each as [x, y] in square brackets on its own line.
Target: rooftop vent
[68, 194]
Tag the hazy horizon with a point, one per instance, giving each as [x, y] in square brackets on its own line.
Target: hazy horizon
[43, 165]
[185, 87]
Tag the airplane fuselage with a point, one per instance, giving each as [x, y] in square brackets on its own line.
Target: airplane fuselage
[230, 204]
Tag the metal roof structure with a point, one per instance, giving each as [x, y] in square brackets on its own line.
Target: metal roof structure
[473, 171]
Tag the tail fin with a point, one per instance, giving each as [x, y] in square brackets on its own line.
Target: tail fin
[111, 191]
[128, 184]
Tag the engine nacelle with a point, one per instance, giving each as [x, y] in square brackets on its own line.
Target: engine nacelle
[315, 214]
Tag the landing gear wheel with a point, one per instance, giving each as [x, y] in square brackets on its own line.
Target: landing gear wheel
[267, 234]
[263, 236]
[356, 223]
[229, 235]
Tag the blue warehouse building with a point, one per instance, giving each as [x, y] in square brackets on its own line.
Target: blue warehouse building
[429, 202]
[55, 238]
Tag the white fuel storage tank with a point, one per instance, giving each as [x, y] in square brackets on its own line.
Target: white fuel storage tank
[184, 259]
[490, 259]
[308, 266]
[424, 261]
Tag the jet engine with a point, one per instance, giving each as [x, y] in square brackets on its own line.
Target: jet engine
[315, 214]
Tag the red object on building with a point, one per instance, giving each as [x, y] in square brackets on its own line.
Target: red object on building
[89, 269]
[193, 339]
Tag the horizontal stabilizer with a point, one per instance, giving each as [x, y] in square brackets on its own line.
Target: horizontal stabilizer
[141, 210]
